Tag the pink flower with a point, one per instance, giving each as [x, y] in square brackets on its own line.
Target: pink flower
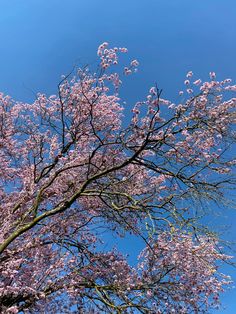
[12, 310]
[123, 50]
[153, 91]
[134, 63]
[212, 75]
[197, 82]
[189, 74]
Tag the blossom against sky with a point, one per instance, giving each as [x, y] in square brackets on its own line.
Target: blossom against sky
[43, 39]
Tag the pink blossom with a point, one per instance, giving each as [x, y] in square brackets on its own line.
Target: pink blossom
[189, 74]
[123, 50]
[74, 169]
[197, 82]
[134, 63]
[212, 75]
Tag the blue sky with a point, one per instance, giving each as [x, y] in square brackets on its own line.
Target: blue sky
[42, 39]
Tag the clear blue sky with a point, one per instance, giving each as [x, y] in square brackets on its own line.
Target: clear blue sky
[42, 39]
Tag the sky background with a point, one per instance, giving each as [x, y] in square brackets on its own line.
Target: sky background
[42, 39]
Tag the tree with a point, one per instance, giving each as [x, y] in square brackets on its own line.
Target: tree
[71, 169]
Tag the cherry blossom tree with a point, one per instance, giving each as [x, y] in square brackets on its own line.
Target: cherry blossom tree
[72, 168]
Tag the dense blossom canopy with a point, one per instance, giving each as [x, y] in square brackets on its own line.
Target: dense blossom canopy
[71, 169]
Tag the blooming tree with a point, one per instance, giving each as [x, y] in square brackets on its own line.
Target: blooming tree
[71, 169]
